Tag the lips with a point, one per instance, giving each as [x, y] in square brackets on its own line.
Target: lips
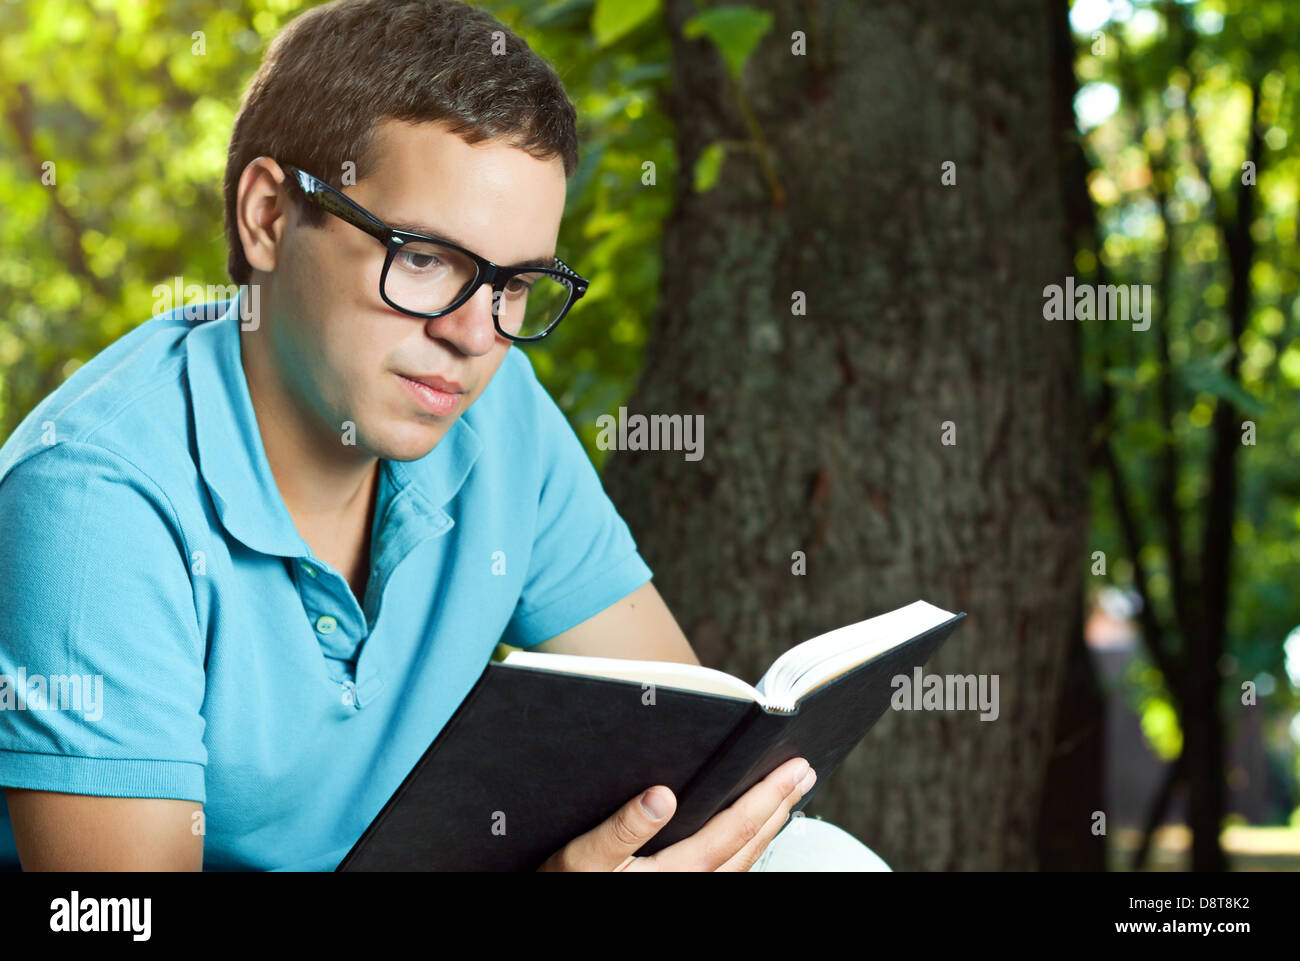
[434, 395]
[437, 383]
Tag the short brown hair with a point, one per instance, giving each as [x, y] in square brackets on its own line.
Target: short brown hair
[338, 69]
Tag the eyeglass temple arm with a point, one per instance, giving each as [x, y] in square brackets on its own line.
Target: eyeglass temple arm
[339, 203]
[580, 281]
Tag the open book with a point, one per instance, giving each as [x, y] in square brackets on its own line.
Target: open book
[546, 746]
[803, 668]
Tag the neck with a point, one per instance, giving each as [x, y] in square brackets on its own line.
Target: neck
[321, 479]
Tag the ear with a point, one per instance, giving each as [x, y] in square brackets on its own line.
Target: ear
[261, 212]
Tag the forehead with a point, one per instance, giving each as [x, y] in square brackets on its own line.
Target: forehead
[496, 199]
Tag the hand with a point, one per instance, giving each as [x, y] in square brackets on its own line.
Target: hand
[732, 840]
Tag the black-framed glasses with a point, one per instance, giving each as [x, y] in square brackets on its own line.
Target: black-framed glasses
[428, 276]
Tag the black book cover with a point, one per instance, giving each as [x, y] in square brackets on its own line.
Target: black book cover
[533, 758]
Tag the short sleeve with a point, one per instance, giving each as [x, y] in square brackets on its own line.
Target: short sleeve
[101, 656]
[583, 556]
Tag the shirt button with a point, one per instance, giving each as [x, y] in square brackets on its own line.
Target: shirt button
[309, 570]
[326, 624]
[349, 694]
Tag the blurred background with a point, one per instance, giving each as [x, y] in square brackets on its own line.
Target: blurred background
[1120, 512]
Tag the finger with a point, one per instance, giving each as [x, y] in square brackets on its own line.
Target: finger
[748, 856]
[727, 832]
[608, 846]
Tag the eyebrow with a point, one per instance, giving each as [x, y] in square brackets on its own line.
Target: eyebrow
[428, 231]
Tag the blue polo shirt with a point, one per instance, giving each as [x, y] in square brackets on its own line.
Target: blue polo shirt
[165, 631]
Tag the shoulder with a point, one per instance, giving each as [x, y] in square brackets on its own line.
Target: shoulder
[124, 412]
[78, 500]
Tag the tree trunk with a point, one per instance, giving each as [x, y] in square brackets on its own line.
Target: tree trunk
[1203, 723]
[1073, 788]
[823, 433]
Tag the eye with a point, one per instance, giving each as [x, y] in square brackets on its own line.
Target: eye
[417, 259]
[520, 284]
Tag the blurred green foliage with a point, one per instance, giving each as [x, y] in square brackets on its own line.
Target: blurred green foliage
[1165, 113]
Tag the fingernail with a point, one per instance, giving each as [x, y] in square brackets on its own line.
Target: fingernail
[806, 784]
[800, 771]
[655, 805]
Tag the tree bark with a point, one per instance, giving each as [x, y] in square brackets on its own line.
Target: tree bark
[823, 432]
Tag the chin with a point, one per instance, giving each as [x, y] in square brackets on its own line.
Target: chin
[409, 441]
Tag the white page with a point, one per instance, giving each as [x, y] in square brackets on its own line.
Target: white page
[793, 674]
[815, 661]
[689, 677]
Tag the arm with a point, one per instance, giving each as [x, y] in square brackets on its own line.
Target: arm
[76, 832]
[639, 626]
[96, 585]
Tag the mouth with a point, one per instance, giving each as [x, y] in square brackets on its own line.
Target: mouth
[437, 395]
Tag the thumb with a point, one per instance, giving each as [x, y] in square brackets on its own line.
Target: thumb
[611, 843]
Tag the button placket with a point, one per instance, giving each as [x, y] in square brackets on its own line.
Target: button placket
[349, 694]
[331, 613]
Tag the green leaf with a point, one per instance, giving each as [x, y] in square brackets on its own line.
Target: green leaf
[615, 18]
[1210, 377]
[707, 167]
[562, 15]
[735, 31]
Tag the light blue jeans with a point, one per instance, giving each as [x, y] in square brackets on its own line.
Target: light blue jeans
[811, 844]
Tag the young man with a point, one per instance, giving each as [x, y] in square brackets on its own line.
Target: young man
[276, 548]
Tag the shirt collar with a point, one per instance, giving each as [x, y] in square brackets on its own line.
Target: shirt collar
[235, 468]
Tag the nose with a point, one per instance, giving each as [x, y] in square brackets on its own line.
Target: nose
[468, 328]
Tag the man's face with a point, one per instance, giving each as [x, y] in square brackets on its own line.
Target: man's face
[342, 351]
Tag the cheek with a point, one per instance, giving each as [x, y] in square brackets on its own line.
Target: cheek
[328, 270]
[351, 365]
[335, 336]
